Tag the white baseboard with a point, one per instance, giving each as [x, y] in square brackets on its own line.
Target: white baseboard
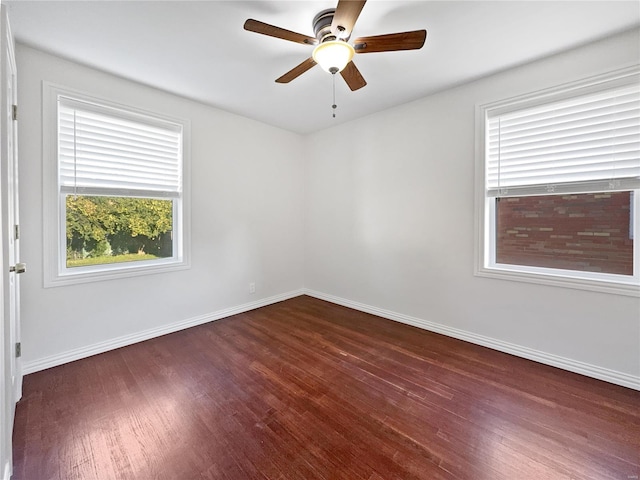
[101, 347]
[576, 366]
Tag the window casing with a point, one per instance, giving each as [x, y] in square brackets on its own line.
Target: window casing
[98, 150]
[579, 142]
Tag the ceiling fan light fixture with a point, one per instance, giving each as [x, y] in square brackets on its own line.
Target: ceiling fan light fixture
[333, 56]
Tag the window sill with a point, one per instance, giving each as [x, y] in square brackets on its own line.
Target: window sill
[102, 273]
[612, 284]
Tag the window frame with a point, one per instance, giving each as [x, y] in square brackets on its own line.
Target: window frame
[485, 215]
[56, 273]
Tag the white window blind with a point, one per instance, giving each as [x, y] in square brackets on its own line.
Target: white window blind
[104, 151]
[587, 143]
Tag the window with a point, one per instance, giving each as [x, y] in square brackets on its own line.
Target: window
[558, 179]
[115, 203]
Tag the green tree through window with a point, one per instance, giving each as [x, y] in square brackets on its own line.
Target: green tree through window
[101, 230]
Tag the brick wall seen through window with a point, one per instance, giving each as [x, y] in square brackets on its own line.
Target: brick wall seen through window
[584, 232]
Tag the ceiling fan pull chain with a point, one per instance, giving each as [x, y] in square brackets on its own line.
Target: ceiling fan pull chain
[334, 106]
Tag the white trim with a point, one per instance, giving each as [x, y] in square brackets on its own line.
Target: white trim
[101, 347]
[576, 366]
[617, 78]
[55, 272]
[561, 278]
[11, 372]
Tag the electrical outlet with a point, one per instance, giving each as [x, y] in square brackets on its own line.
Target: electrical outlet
[252, 287]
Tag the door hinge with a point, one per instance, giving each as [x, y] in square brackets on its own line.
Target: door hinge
[14, 112]
[17, 232]
[18, 350]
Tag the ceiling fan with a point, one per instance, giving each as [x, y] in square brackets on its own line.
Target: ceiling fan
[332, 51]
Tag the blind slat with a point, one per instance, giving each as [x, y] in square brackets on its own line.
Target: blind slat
[581, 102]
[622, 122]
[574, 187]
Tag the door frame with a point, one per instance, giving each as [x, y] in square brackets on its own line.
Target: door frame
[11, 377]
[10, 220]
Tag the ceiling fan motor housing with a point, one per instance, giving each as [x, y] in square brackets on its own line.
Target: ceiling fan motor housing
[322, 25]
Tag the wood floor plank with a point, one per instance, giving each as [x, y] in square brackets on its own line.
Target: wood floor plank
[305, 389]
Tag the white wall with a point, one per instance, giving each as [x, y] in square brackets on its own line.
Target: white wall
[247, 221]
[390, 225]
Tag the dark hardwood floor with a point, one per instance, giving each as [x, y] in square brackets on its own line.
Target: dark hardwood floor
[305, 389]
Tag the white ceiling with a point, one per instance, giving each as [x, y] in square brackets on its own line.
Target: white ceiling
[199, 49]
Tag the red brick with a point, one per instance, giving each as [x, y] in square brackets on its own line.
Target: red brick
[585, 232]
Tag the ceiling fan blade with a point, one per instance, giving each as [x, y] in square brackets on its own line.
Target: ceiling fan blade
[296, 71]
[353, 77]
[388, 43]
[265, 29]
[347, 12]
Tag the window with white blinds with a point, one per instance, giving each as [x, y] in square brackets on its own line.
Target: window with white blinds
[103, 151]
[116, 189]
[587, 143]
[558, 185]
